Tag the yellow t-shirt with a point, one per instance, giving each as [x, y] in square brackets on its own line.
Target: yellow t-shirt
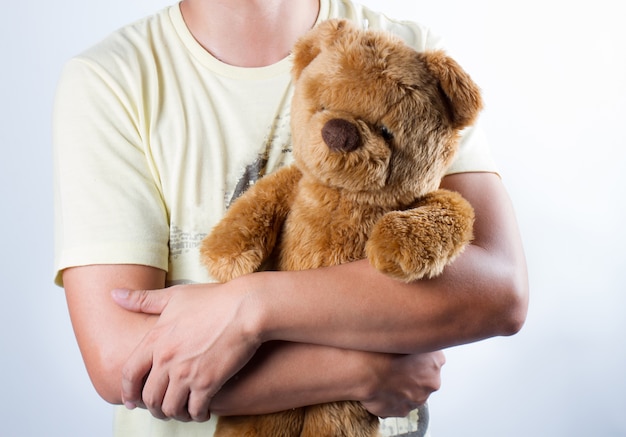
[154, 138]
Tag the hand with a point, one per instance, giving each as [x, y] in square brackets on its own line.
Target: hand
[404, 383]
[201, 339]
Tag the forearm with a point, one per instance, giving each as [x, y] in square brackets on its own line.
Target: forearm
[288, 375]
[285, 375]
[358, 307]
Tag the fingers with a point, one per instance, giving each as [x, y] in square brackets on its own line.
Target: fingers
[154, 392]
[134, 374]
[142, 301]
[405, 384]
[166, 399]
[199, 404]
[148, 382]
[439, 358]
[174, 405]
[163, 397]
[181, 401]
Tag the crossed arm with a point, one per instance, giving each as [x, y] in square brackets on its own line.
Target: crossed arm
[275, 340]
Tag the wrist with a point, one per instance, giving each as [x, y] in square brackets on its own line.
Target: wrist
[373, 368]
[254, 305]
[270, 306]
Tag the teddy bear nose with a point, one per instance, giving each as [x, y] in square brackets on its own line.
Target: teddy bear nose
[341, 135]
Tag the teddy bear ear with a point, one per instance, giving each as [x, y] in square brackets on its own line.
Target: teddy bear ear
[309, 46]
[462, 93]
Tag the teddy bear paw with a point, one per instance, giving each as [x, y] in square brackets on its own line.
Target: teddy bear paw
[406, 248]
[402, 266]
[224, 268]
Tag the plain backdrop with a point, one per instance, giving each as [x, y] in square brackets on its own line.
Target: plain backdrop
[554, 77]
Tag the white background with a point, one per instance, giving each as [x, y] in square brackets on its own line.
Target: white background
[554, 78]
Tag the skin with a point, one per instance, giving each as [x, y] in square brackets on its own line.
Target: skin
[249, 33]
[276, 340]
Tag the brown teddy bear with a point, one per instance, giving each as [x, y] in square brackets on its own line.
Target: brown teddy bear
[374, 126]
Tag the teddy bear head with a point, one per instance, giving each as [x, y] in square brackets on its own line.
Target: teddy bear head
[372, 116]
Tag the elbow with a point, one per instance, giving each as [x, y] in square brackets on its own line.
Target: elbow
[512, 307]
[105, 392]
[514, 317]
[105, 377]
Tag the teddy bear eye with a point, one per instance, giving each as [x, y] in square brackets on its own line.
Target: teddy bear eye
[385, 133]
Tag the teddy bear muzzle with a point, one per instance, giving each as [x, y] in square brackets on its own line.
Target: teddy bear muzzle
[341, 136]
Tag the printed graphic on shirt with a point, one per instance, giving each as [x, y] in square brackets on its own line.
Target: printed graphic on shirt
[276, 152]
[251, 174]
[182, 242]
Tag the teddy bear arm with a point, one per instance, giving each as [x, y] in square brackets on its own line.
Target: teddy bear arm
[245, 237]
[419, 242]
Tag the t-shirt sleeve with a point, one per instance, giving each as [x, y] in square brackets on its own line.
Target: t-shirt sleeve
[474, 153]
[108, 204]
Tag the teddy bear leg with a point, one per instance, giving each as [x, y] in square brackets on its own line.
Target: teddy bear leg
[339, 419]
[283, 424]
[420, 242]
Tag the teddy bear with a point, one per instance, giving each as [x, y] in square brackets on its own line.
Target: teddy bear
[374, 125]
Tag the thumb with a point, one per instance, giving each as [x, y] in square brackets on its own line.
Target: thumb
[142, 301]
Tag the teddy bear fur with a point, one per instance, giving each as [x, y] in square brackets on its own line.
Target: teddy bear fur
[374, 126]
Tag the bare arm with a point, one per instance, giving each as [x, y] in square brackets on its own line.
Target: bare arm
[281, 376]
[106, 333]
[483, 294]
[286, 375]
